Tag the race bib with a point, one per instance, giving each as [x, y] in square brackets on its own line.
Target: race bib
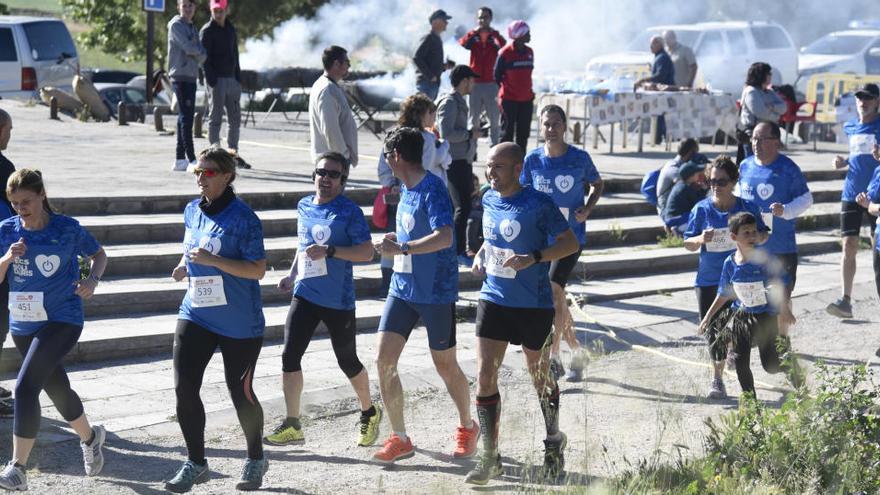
[767, 217]
[495, 258]
[27, 306]
[402, 263]
[206, 292]
[309, 268]
[750, 294]
[862, 144]
[721, 241]
[565, 212]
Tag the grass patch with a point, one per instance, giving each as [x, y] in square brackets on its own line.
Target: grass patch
[95, 58]
[616, 234]
[50, 6]
[670, 241]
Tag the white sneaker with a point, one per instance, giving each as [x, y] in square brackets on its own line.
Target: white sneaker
[192, 165]
[13, 478]
[93, 457]
[179, 165]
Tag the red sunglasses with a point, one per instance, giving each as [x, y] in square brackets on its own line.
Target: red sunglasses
[207, 172]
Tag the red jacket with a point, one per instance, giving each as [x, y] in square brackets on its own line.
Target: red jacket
[513, 71]
[484, 48]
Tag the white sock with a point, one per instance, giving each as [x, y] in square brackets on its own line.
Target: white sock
[402, 435]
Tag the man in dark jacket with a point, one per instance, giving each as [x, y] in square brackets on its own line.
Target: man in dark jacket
[662, 72]
[484, 44]
[223, 75]
[429, 56]
[6, 169]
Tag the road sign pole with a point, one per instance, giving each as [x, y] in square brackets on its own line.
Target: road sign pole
[150, 42]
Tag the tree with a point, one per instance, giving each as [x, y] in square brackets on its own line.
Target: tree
[119, 27]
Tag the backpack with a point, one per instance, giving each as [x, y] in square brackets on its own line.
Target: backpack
[649, 186]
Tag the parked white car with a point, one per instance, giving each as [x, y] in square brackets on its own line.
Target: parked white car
[724, 52]
[856, 51]
[35, 52]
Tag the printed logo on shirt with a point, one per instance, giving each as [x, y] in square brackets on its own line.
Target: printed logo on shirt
[408, 222]
[510, 229]
[543, 184]
[564, 183]
[210, 244]
[321, 234]
[488, 228]
[765, 191]
[862, 144]
[20, 267]
[48, 265]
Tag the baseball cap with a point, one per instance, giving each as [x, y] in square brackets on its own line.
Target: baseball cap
[459, 73]
[219, 4]
[869, 90]
[439, 14]
[690, 168]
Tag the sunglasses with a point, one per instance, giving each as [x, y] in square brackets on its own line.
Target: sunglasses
[333, 174]
[207, 172]
[720, 182]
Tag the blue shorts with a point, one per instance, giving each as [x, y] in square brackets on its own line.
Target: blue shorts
[401, 316]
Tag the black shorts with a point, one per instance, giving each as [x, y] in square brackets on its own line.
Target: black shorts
[851, 215]
[529, 327]
[561, 269]
[789, 263]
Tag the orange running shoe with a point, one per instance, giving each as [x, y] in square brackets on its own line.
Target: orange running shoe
[395, 449]
[466, 440]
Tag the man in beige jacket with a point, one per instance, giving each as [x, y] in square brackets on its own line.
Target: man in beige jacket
[331, 123]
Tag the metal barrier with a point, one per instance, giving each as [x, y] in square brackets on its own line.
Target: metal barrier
[824, 89]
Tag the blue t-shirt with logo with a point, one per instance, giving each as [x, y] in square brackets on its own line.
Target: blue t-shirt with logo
[862, 138]
[706, 215]
[779, 182]
[748, 284]
[430, 278]
[518, 224]
[338, 223]
[48, 271]
[564, 178]
[874, 197]
[222, 303]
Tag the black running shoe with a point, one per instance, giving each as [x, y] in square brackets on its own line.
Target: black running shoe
[554, 458]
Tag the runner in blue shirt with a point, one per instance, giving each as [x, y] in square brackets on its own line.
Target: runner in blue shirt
[6, 170]
[707, 232]
[424, 286]
[565, 173]
[523, 229]
[753, 281]
[332, 234]
[864, 135]
[41, 263]
[224, 259]
[777, 185]
[870, 200]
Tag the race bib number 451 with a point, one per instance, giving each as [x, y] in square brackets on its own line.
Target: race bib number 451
[27, 306]
[206, 292]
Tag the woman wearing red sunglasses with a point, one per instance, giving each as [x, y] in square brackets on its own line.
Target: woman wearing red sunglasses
[224, 258]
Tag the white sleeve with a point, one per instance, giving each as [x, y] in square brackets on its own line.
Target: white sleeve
[797, 206]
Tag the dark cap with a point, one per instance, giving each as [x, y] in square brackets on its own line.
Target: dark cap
[460, 73]
[869, 90]
[439, 14]
[690, 168]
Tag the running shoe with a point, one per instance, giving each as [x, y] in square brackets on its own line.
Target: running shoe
[368, 427]
[576, 367]
[93, 456]
[13, 478]
[179, 166]
[192, 166]
[466, 440]
[487, 468]
[188, 475]
[840, 308]
[4, 393]
[717, 389]
[554, 458]
[252, 474]
[7, 408]
[556, 368]
[285, 434]
[395, 449]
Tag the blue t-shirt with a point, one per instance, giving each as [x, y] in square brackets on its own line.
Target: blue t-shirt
[430, 278]
[862, 138]
[518, 224]
[564, 178]
[874, 197]
[338, 223]
[705, 215]
[222, 303]
[49, 270]
[779, 182]
[746, 283]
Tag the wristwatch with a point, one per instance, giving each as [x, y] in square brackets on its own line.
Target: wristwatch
[331, 251]
[404, 248]
[537, 255]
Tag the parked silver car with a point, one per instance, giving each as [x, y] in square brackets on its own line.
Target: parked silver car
[35, 52]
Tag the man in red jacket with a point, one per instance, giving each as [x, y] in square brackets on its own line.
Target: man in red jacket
[484, 43]
[513, 72]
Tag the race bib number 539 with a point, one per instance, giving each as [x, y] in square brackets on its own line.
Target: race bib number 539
[206, 292]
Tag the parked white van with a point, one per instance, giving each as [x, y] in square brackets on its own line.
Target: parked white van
[35, 52]
[724, 52]
[856, 51]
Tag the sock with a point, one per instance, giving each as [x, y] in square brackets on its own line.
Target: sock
[91, 438]
[846, 298]
[489, 413]
[20, 466]
[294, 422]
[550, 410]
[200, 463]
[402, 435]
[369, 413]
